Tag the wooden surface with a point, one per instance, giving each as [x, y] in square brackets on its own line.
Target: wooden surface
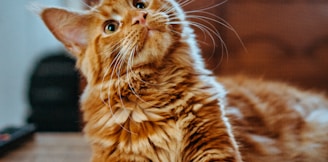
[51, 147]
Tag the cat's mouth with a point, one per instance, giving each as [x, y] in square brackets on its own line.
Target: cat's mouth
[147, 36]
[150, 36]
[151, 29]
[155, 25]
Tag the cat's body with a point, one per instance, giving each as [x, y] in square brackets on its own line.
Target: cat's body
[174, 121]
[276, 122]
[150, 98]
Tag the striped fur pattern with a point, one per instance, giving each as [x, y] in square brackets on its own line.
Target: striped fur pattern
[150, 98]
[276, 122]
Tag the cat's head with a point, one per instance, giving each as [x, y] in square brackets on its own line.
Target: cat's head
[118, 35]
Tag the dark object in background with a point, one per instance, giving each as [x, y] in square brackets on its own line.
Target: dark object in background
[53, 94]
[12, 137]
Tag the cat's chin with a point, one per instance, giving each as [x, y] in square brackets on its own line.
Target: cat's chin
[153, 38]
[156, 44]
[151, 33]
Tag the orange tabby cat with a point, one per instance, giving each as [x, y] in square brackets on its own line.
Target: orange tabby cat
[149, 97]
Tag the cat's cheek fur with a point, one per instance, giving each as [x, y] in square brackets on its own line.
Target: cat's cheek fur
[89, 65]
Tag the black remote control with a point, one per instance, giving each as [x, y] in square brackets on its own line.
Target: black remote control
[12, 137]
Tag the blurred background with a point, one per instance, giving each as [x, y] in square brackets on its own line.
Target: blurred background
[284, 40]
[24, 41]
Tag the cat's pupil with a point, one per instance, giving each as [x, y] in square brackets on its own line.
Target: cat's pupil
[111, 27]
[140, 5]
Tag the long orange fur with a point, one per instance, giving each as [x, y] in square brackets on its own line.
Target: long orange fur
[150, 98]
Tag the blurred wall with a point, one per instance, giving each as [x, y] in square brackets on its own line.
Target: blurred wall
[284, 40]
[23, 40]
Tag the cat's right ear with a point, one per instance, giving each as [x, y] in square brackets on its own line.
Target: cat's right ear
[68, 27]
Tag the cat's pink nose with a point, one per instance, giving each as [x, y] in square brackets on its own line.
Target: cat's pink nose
[140, 18]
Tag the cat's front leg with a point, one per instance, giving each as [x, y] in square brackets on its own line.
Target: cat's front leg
[208, 137]
[112, 154]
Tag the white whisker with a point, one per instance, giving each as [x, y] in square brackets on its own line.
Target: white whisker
[185, 3]
[214, 6]
[219, 20]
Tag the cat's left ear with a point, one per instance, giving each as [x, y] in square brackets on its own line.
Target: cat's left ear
[68, 27]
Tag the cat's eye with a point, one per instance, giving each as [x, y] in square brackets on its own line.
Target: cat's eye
[111, 26]
[139, 4]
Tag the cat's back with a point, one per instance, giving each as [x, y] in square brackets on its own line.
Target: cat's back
[276, 122]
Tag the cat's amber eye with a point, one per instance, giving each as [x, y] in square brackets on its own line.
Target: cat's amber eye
[139, 4]
[111, 26]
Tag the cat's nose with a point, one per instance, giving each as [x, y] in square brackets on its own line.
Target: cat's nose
[140, 18]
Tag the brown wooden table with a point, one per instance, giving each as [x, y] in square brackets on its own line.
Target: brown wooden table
[51, 147]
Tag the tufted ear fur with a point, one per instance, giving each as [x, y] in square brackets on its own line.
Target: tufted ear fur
[68, 27]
